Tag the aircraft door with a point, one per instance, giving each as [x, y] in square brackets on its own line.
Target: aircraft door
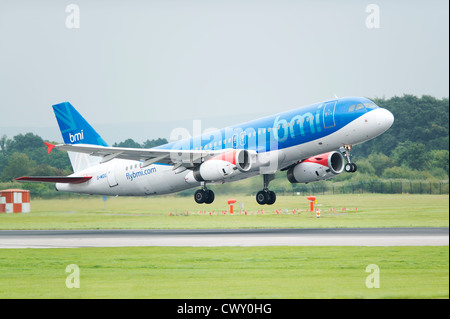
[111, 175]
[328, 114]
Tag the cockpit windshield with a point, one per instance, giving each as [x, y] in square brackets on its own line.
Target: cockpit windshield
[370, 105]
[360, 106]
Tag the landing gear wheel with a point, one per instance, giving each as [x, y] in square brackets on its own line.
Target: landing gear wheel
[272, 198]
[200, 196]
[210, 194]
[266, 197]
[350, 167]
[262, 197]
[204, 196]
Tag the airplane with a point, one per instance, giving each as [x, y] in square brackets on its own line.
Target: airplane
[310, 143]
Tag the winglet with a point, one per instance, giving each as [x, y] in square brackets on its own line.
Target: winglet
[50, 147]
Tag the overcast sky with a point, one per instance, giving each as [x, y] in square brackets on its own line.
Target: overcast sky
[142, 61]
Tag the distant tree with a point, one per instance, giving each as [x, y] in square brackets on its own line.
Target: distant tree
[19, 164]
[365, 167]
[154, 143]
[24, 143]
[3, 140]
[412, 155]
[128, 143]
[439, 159]
[404, 173]
[3, 154]
[380, 162]
[46, 170]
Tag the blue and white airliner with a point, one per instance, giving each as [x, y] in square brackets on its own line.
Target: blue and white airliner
[311, 143]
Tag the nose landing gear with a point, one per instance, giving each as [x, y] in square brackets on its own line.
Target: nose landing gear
[349, 167]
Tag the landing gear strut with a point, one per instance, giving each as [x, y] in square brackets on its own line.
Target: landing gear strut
[349, 167]
[266, 196]
[204, 195]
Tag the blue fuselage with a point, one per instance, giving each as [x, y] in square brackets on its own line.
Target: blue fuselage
[282, 130]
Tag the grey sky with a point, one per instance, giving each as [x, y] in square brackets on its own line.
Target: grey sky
[146, 61]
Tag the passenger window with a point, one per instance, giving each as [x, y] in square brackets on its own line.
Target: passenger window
[359, 107]
[351, 108]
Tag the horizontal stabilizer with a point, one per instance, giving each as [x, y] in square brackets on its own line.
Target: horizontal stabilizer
[55, 179]
[49, 146]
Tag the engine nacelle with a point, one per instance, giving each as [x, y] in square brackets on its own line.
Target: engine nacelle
[317, 168]
[221, 166]
[242, 159]
[213, 170]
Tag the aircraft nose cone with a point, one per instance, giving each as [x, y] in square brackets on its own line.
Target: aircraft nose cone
[385, 119]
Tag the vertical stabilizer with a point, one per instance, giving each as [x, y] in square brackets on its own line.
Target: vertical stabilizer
[76, 130]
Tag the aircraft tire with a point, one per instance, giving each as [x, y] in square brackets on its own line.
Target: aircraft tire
[272, 198]
[210, 196]
[350, 167]
[262, 197]
[200, 196]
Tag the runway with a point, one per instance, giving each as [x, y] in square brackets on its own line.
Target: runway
[225, 237]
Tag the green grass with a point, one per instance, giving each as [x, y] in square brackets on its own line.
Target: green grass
[230, 272]
[155, 213]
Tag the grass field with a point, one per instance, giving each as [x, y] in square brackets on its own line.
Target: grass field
[228, 272]
[232, 272]
[183, 213]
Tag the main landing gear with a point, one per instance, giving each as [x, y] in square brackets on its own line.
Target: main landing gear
[349, 167]
[266, 196]
[204, 195]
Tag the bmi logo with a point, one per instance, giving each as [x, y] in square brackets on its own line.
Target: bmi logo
[76, 137]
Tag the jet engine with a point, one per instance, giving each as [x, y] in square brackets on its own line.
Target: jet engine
[317, 168]
[213, 170]
[221, 166]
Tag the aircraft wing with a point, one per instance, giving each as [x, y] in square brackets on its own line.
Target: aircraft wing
[149, 156]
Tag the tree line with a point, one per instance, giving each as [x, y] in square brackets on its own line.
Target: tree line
[416, 147]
